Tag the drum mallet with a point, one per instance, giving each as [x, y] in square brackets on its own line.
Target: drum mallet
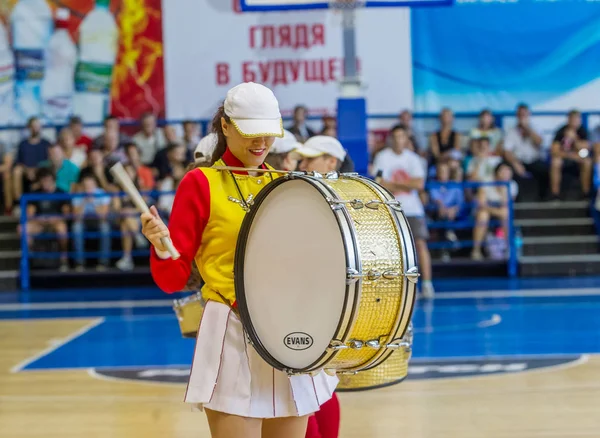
[122, 177]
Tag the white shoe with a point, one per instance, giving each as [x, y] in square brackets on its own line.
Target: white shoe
[125, 264]
[428, 291]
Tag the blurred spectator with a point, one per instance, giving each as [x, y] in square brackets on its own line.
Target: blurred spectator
[492, 201]
[445, 143]
[46, 216]
[170, 174]
[570, 153]
[75, 152]
[205, 148]
[91, 212]
[299, 127]
[66, 172]
[406, 121]
[321, 152]
[448, 201]
[404, 175]
[329, 126]
[6, 164]
[113, 150]
[143, 173]
[283, 155]
[170, 134]
[483, 164]
[98, 170]
[30, 153]
[191, 134]
[523, 151]
[80, 139]
[111, 125]
[149, 139]
[487, 128]
[130, 225]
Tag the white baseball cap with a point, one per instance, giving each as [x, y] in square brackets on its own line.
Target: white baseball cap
[254, 110]
[285, 144]
[206, 146]
[321, 145]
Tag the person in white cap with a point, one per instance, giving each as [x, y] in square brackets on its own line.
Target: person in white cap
[206, 147]
[241, 394]
[283, 154]
[322, 154]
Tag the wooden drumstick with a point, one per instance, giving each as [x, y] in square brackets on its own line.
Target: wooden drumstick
[122, 177]
[244, 169]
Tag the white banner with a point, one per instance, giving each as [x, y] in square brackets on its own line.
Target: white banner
[209, 48]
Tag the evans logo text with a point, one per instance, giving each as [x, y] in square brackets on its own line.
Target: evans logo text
[298, 341]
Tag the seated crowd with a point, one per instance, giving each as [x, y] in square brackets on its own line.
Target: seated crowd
[157, 159]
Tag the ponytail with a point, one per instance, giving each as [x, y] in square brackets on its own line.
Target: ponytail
[215, 127]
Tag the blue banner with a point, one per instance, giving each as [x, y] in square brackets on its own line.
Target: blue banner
[490, 54]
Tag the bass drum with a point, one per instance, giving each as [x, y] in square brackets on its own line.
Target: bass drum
[325, 274]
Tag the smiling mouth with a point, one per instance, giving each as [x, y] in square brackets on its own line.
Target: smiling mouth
[257, 152]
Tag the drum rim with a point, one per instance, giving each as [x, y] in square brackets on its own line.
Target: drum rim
[410, 288]
[242, 305]
[367, 388]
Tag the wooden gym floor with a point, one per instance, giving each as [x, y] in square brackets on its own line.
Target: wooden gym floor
[513, 362]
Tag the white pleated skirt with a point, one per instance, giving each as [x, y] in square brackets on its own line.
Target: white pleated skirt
[229, 376]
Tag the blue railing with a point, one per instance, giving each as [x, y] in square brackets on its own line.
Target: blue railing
[500, 116]
[26, 254]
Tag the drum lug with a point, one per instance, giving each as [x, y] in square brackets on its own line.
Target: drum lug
[332, 175]
[337, 345]
[373, 205]
[330, 372]
[355, 344]
[391, 275]
[316, 175]
[413, 275]
[399, 343]
[357, 204]
[373, 343]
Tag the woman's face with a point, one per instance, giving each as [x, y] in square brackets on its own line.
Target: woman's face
[504, 173]
[250, 151]
[486, 120]
[447, 117]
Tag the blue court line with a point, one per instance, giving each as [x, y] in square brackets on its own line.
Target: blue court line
[563, 327]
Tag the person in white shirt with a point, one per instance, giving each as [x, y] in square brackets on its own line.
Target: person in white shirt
[403, 174]
[149, 139]
[523, 151]
[283, 155]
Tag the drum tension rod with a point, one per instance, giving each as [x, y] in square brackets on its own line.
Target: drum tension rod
[352, 275]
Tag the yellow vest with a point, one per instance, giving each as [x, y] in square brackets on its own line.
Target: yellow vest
[217, 249]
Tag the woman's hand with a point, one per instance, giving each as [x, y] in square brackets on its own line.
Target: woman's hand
[154, 229]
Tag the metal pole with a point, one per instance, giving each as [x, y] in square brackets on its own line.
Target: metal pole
[24, 245]
[513, 262]
[350, 86]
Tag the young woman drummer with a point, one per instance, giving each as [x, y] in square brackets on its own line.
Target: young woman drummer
[241, 394]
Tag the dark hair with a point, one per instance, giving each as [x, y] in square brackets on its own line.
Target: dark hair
[276, 160]
[215, 126]
[44, 172]
[31, 119]
[487, 111]
[110, 117]
[145, 115]
[88, 173]
[75, 120]
[500, 165]
[398, 127]
[522, 105]
[130, 144]
[574, 112]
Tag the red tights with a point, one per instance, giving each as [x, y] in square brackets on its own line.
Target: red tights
[325, 423]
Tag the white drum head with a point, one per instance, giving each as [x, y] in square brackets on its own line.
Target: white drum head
[294, 268]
